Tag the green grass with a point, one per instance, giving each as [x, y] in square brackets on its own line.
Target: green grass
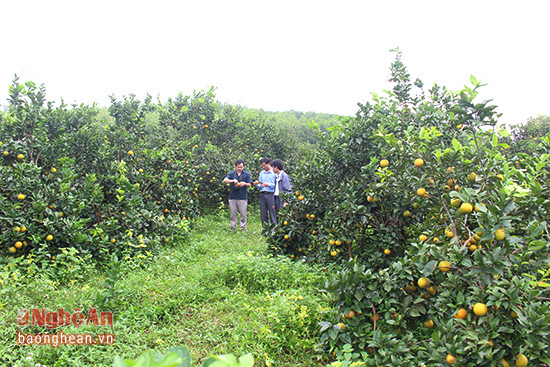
[219, 292]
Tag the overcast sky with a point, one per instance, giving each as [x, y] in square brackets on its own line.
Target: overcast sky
[322, 56]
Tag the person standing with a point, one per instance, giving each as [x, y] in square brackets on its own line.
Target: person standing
[266, 185]
[282, 185]
[240, 181]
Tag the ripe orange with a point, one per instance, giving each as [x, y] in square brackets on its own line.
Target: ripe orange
[20, 157]
[300, 198]
[419, 162]
[423, 237]
[451, 359]
[480, 309]
[521, 360]
[387, 251]
[421, 191]
[384, 163]
[49, 237]
[333, 253]
[130, 152]
[407, 213]
[428, 324]
[21, 197]
[461, 314]
[465, 208]
[456, 202]
[478, 206]
[444, 266]
[424, 282]
[13, 250]
[472, 176]
[500, 234]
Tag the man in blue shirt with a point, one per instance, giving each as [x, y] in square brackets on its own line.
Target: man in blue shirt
[240, 181]
[267, 187]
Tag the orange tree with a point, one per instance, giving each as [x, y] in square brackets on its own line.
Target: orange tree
[124, 184]
[441, 240]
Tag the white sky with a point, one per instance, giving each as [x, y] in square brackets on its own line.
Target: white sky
[306, 55]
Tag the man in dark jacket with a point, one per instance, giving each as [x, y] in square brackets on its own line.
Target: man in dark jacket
[282, 184]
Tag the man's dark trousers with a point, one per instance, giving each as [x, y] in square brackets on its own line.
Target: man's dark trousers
[267, 211]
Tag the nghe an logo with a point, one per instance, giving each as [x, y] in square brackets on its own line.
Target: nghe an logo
[51, 320]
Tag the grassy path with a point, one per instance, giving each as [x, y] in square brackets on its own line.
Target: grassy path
[217, 293]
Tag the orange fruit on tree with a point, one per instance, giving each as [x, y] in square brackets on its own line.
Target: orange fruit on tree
[504, 362]
[478, 206]
[18, 244]
[300, 198]
[350, 315]
[450, 359]
[384, 163]
[521, 360]
[421, 191]
[461, 314]
[428, 324]
[423, 237]
[500, 234]
[49, 237]
[465, 208]
[423, 282]
[472, 176]
[13, 250]
[387, 251]
[419, 162]
[444, 266]
[456, 202]
[21, 196]
[480, 309]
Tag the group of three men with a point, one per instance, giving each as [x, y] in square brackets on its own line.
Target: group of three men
[272, 182]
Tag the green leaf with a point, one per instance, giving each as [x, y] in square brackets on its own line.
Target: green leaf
[229, 360]
[504, 133]
[456, 145]
[473, 80]
[119, 362]
[537, 245]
